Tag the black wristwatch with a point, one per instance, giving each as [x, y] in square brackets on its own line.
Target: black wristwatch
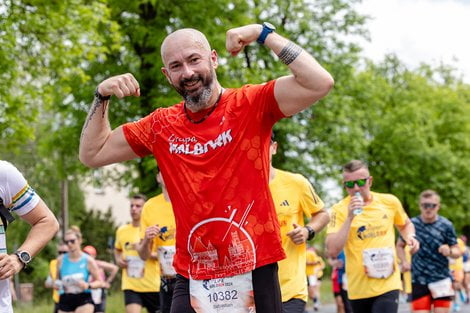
[24, 257]
[311, 232]
[100, 96]
[268, 28]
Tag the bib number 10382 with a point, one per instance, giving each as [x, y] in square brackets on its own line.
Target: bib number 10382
[223, 295]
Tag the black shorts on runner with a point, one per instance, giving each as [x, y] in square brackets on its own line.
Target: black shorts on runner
[148, 300]
[419, 291]
[69, 302]
[293, 306]
[266, 290]
[384, 303]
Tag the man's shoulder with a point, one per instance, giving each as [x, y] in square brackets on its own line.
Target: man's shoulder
[444, 221]
[292, 177]
[385, 198]
[153, 201]
[123, 228]
[8, 169]
[341, 204]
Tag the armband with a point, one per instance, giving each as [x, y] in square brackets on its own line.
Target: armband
[100, 96]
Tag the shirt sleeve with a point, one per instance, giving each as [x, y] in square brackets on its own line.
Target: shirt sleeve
[117, 242]
[310, 201]
[400, 214]
[336, 219]
[139, 134]
[144, 221]
[15, 191]
[451, 235]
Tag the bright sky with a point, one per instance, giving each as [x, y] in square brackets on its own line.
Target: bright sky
[428, 31]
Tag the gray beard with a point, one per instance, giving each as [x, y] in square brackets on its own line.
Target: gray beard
[198, 102]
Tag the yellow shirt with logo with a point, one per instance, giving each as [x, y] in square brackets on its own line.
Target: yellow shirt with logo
[373, 228]
[293, 197]
[159, 211]
[127, 237]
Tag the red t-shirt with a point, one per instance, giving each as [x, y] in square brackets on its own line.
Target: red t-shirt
[216, 173]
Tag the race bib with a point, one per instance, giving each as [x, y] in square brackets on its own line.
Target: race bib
[223, 295]
[378, 262]
[165, 257]
[344, 279]
[135, 266]
[71, 283]
[312, 280]
[466, 267]
[96, 295]
[441, 288]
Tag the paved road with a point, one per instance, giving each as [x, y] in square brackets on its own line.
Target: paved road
[404, 308]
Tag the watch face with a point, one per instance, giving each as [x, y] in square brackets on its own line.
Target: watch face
[25, 257]
[269, 25]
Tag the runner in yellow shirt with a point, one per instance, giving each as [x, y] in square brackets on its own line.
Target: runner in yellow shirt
[315, 267]
[157, 234]
[140, 279]
[294, 198]
[362, 224]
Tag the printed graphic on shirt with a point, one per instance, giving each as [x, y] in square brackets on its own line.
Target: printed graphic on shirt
[369, 231]
[190, 145]
[214, 256]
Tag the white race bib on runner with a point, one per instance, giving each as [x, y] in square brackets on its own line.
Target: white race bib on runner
[96, 295]
[165, 257]
[135, 266]
[223, 295]
[71, 283]
[441, 288]
[378, 262]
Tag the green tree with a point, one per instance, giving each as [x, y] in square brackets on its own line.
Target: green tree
[412, 127]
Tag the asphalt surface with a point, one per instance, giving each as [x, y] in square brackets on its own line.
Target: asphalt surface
[403, 308]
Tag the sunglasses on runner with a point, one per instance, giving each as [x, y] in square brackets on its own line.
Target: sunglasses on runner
[360, 182]
[428, 205]
[71, 241]
[62, 252]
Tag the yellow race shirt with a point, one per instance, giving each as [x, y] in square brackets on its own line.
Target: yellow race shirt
[456, 265]
[310, 260]
[293, 197]
[53, 273]
[371, 229]
[315, 264]
[158, 211]
[140, 275]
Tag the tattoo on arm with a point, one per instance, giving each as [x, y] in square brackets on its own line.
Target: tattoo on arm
[95, 106]
[289, 53]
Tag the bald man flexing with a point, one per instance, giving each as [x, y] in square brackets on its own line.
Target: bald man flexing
[213, 150]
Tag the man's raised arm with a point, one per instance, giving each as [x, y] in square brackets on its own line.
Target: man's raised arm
[99, 145]
[309, 81]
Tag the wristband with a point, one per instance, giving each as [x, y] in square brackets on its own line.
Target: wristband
[100, 96]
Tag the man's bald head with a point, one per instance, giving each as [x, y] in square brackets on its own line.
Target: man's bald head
[185, 36]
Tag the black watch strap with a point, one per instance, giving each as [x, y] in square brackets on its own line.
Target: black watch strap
[100, 96]
[311, 232]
